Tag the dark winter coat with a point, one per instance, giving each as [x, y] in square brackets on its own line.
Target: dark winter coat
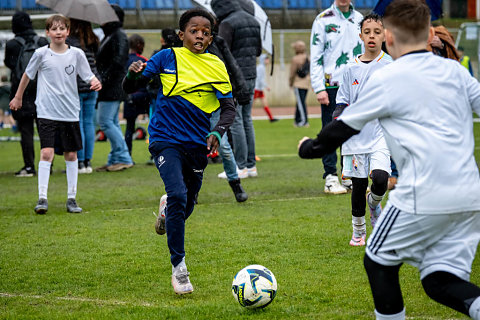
[112, 59]
[239, 86]
[90, 52]
[241, 32]
[21, 27]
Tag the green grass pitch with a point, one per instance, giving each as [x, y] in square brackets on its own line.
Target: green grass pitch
[109, 263]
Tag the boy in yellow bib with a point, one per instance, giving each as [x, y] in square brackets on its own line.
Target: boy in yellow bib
[194, 84]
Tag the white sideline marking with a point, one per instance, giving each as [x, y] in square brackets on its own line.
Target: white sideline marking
[80, 299]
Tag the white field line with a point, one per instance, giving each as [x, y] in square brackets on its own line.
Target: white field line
[80, 299]
[117, 302]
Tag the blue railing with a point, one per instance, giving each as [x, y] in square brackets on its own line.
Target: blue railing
[186, 4]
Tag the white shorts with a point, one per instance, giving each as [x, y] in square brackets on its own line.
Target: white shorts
[361, 165]
[443, 242]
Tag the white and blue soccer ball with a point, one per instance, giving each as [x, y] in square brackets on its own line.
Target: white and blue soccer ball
[254, 287]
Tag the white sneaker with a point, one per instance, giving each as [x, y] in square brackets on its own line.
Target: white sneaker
[222, 175]
[243, 173]
[332, 186]
[252, 172]
[347, 183]
[181, 281]
[160, 222]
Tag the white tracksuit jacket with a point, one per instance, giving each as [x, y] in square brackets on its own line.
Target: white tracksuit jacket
[334, 42]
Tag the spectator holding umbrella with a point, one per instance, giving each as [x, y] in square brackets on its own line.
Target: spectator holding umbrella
[111, 64]
[82, 36]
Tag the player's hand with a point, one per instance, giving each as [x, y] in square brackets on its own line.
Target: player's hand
[137, 66]
[212, 144]
[95, 84]
[15, 104]
[322, 97]
[301, 142]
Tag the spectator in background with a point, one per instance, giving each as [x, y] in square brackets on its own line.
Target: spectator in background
[27, 115]
[300, 84]
[112, 65]
[261, 85]
[241, 32]
[82, 36]
[334, 42]
[242, 95]
[443, 44]
[6, 118]
[465, 60]
[138, 102]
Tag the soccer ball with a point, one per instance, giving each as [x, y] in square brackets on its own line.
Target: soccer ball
[254, 287]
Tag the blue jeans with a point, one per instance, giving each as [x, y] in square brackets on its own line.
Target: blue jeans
[243, 134]
[182, 173]
[225, 150]
[329, 160]
[107, 118]
[87, 124]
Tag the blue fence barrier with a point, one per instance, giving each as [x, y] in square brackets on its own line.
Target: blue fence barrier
[187, 4]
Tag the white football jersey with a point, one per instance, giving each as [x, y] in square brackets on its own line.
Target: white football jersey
[57, 92]
[424, 104]
[354, 79]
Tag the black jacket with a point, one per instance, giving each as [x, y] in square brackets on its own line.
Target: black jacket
[239, 86]
[12, 51]
[90, 52]
[241, 32]
[112, 59]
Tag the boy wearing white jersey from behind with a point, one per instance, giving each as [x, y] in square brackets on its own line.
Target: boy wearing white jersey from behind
[365, 154]
[58, 105]
[424, 104]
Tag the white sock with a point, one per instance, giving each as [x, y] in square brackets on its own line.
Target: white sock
[180, 265]
[43, 177]
[373, 200]
[396, 316]
[474, 310]
[72, 177]
[359, 226]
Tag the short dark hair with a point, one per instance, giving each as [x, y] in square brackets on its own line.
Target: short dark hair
[371, 16]
[134, 40]
[410, 18]
[57, 18]
[195, 12]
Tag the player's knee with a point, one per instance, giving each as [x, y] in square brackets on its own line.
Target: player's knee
[433, 285]
[379, 181]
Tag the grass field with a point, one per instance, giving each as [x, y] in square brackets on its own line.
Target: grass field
[109, 263]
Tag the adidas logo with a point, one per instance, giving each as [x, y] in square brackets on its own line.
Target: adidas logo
[355, 82]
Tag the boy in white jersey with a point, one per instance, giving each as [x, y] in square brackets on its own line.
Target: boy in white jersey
[58, 105]
[365, 154]
[424, 104]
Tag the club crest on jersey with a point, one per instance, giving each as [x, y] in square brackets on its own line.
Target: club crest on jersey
[355, 82]
[329, 28]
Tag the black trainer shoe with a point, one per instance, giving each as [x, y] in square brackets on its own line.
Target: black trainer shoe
[72, 206]
[26, 172]
[240, 194]
[42, 206]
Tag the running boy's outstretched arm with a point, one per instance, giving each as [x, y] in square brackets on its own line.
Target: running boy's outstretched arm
[328, 140]
[16, 102]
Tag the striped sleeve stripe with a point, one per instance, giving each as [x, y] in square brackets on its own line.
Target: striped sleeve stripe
[383, 229]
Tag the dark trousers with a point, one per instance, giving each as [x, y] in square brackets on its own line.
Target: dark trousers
[182, 172]
[329, 160]
[129, 130]
[301, 114]
[25, 127]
